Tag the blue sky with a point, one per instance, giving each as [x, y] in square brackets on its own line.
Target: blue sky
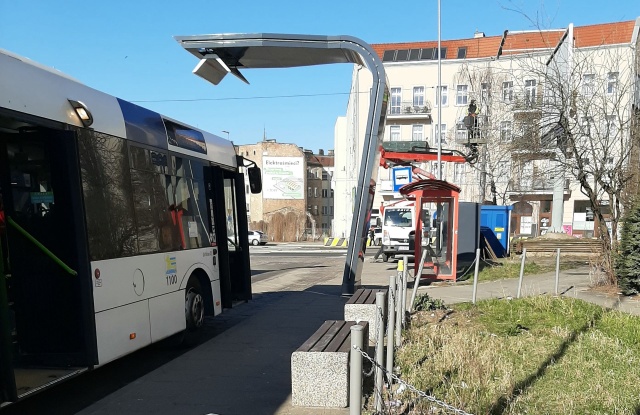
[126, 48]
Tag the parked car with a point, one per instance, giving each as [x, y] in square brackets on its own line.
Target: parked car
[257, 238]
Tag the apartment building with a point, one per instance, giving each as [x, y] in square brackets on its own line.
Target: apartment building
[523, 83]
[297, 199]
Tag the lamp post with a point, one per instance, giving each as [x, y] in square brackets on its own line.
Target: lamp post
[227, 133]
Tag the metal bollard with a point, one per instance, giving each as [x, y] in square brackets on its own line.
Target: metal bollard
[398, 305]
[524, 256]
[416, 283]
[390, 327]
[475, 276]
[355, 370]
[405, 277]
[379, 349]
[557, 270]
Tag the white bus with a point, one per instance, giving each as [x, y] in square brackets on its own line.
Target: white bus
[119, 227]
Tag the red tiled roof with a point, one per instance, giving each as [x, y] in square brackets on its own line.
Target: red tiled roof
[516, 42]
[603, 34]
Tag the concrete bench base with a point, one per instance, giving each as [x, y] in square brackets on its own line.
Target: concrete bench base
[320, 367]
[362, 307]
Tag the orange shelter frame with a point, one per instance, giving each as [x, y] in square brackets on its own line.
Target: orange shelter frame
[441, 259]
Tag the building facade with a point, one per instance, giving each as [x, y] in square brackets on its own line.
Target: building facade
[296, 201]
[521, 83]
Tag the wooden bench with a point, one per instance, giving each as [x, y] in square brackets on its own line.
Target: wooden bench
[362, 307]
[320, 367]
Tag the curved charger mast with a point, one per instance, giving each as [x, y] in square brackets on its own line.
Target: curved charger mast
[221, 54]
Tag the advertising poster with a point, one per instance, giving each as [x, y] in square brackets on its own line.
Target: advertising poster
[283, 178]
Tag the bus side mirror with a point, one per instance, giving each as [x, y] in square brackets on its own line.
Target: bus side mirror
[255, 179]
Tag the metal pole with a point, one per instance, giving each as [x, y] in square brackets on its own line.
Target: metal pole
[355, 368]
[398, 304]
[379, 349]
[475, 276]
[439, 98]
[557, 270]
[416, 283]
[390, 328]
[524, 255]
[405, 277]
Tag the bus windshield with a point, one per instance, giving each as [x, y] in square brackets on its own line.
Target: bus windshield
[398, 217]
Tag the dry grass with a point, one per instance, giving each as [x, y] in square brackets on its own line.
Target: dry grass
[537, 355]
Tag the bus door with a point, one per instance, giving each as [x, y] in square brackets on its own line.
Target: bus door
[228, 218]
[46, 266]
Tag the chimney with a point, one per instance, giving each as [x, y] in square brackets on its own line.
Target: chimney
[321, 152]
[330, 152]
[477, 35]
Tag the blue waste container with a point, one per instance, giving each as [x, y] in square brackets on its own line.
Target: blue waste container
[494, 226]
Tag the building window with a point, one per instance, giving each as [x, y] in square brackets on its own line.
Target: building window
[309, 190]
[462, 94]
[394, 133]
[324, 210]
[530, 92]
[315, 192]
[585, 124]
[612, 83]
[330, 210]
[588, 81]
[444, 101]
[507, 91]
[396, 100]
[612, 125]
[331, 193]
[462, 133]
[485, 93]
[505, 131]
[325, 176]
[439, 135]
[418, 96]
[434, 169]
[417, 133]
[315, 210]
[458, 172]
[325, 193]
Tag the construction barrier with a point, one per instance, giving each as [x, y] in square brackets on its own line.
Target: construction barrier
[337, 242]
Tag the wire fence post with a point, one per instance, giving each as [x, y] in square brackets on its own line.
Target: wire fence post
[379, 349]
[524, 256]
[355, 367]
[398, 305]
[557, 269]
[390, 328]
[417, 277]
[475, 276]
[405, 277]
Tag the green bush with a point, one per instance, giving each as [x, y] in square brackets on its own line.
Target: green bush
[627, 260]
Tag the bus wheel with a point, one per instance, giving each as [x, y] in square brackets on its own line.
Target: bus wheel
[194, 306]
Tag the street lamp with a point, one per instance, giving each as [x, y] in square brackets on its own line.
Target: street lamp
[227, 133]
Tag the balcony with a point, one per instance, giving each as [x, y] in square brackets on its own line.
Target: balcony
[537, 186]
[406, 110]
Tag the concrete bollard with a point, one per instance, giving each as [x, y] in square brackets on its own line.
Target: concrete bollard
[379, 349]
[524, 256]
[355, 370]
[390, 327]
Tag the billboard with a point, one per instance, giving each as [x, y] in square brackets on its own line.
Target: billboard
[283, 178]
